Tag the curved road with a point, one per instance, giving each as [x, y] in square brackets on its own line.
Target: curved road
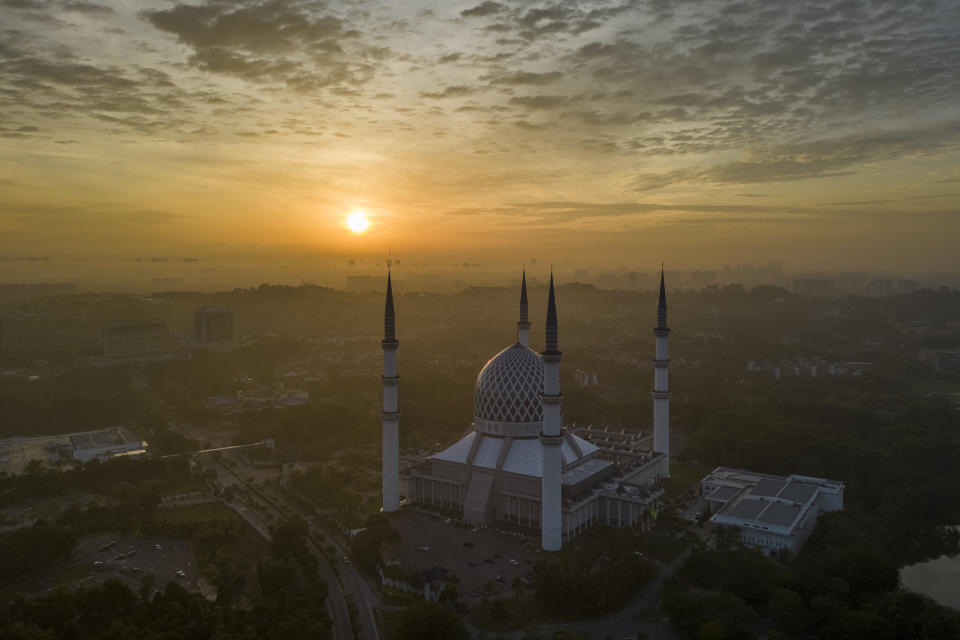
[336, 602]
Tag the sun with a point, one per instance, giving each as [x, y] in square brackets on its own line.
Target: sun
[357, 222]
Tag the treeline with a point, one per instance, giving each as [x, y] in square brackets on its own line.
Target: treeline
[585, 581]
[292, 606]
[366, 546]
[896, 453]
[139, 482]
[78, 399]
[34, 548]
[838, 589]
[339, 489]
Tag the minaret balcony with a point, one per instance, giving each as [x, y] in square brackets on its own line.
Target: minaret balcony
[551, 441]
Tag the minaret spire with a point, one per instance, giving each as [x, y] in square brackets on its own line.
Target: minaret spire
[523, 326]
[551, 438]
[552, 337]
[661, 387]
[390, 417]
[389, 318]
[662, 304]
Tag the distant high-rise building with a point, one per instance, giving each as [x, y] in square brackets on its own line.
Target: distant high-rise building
[813, 286]
[213, 324]
[138, 337]
[700, 279]
[881, 287]
[907, 286]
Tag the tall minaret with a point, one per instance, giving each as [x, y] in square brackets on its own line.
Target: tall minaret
[523, 327]
[390, 418]
[661, 389]
[551, 438]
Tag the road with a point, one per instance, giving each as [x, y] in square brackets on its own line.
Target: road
[336, 601]
[364, 597]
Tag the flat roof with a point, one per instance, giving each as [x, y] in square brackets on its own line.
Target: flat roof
[725, 494]
[584, 470]
[780, 514]
[768, 487]
[797, 492]
[746, 509]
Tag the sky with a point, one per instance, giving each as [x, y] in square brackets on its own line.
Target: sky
[825, 133]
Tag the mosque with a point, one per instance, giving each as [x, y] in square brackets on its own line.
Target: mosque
[518, 464]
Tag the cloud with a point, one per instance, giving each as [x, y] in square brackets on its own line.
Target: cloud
[540, 102]
[836, 156]
[455, 91]
[87, 8]
[269, 41]
[806, 160]
[554, 213]
[525, 78]
[483, 10]
[85, 213]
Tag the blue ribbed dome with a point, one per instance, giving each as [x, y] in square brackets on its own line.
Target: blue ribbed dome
[506, 397]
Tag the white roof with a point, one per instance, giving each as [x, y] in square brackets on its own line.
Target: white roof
[488, 452]
[525, 456]
[458, 451]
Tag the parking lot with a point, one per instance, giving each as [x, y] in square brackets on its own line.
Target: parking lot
[129, 558]
[476, 555]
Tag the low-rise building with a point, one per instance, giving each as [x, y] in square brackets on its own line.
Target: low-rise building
[20, 455]
[772, 512]
[105, 444]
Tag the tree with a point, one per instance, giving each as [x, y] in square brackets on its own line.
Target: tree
[450, 591]
[518, 587]
[711, 630]
[787, 609]
[429, 620]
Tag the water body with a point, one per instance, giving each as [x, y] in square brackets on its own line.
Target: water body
[939, 579]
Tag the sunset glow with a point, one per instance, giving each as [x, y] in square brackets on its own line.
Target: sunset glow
[357, 222]
[609, 130]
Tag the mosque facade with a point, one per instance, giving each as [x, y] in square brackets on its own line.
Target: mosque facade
[518, 464]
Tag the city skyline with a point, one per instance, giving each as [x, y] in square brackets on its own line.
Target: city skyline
[825, 134]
